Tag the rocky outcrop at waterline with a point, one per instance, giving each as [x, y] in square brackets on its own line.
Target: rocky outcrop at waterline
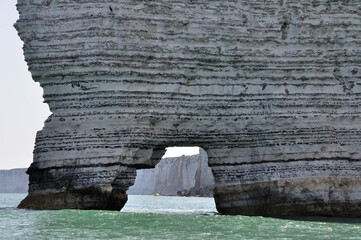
[206, 191]
[270, 89]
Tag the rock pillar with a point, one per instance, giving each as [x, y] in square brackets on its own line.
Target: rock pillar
[79, 175]
[270, 184]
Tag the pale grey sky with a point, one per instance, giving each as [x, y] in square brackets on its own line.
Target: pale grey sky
[22, 109]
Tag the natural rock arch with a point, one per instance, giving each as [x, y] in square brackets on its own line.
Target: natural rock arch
[186, 174]
[270, 89]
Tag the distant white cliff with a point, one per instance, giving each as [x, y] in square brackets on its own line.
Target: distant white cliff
[177, 175]
[14, 181]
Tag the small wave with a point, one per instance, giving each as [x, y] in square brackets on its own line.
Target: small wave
[9, 209]
[170, 212]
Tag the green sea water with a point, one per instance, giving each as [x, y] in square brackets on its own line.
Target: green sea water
[150, 217]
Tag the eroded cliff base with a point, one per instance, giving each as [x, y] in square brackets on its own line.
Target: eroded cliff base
[331, 197]
[93, 198]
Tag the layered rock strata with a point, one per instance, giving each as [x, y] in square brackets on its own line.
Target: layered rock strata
[270, 89]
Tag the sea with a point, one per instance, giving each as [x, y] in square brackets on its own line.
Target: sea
[159, 217]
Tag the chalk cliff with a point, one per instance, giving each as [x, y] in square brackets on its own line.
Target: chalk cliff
[270, 89]
[173, 175]
[14, 181]
[169, 176]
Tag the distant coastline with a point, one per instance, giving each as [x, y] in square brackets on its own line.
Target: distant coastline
[177, 176]
[14, 181]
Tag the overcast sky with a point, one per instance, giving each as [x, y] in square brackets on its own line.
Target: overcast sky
[22, 109]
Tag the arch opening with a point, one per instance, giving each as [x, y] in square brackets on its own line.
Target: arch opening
[182, 172]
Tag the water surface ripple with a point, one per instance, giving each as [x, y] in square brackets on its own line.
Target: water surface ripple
[150, 217]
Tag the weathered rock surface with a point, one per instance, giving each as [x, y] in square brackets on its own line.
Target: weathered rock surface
[185, 175]
[14, 181]
[270, 89]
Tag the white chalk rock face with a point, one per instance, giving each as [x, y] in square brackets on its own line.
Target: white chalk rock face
[270, 89]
